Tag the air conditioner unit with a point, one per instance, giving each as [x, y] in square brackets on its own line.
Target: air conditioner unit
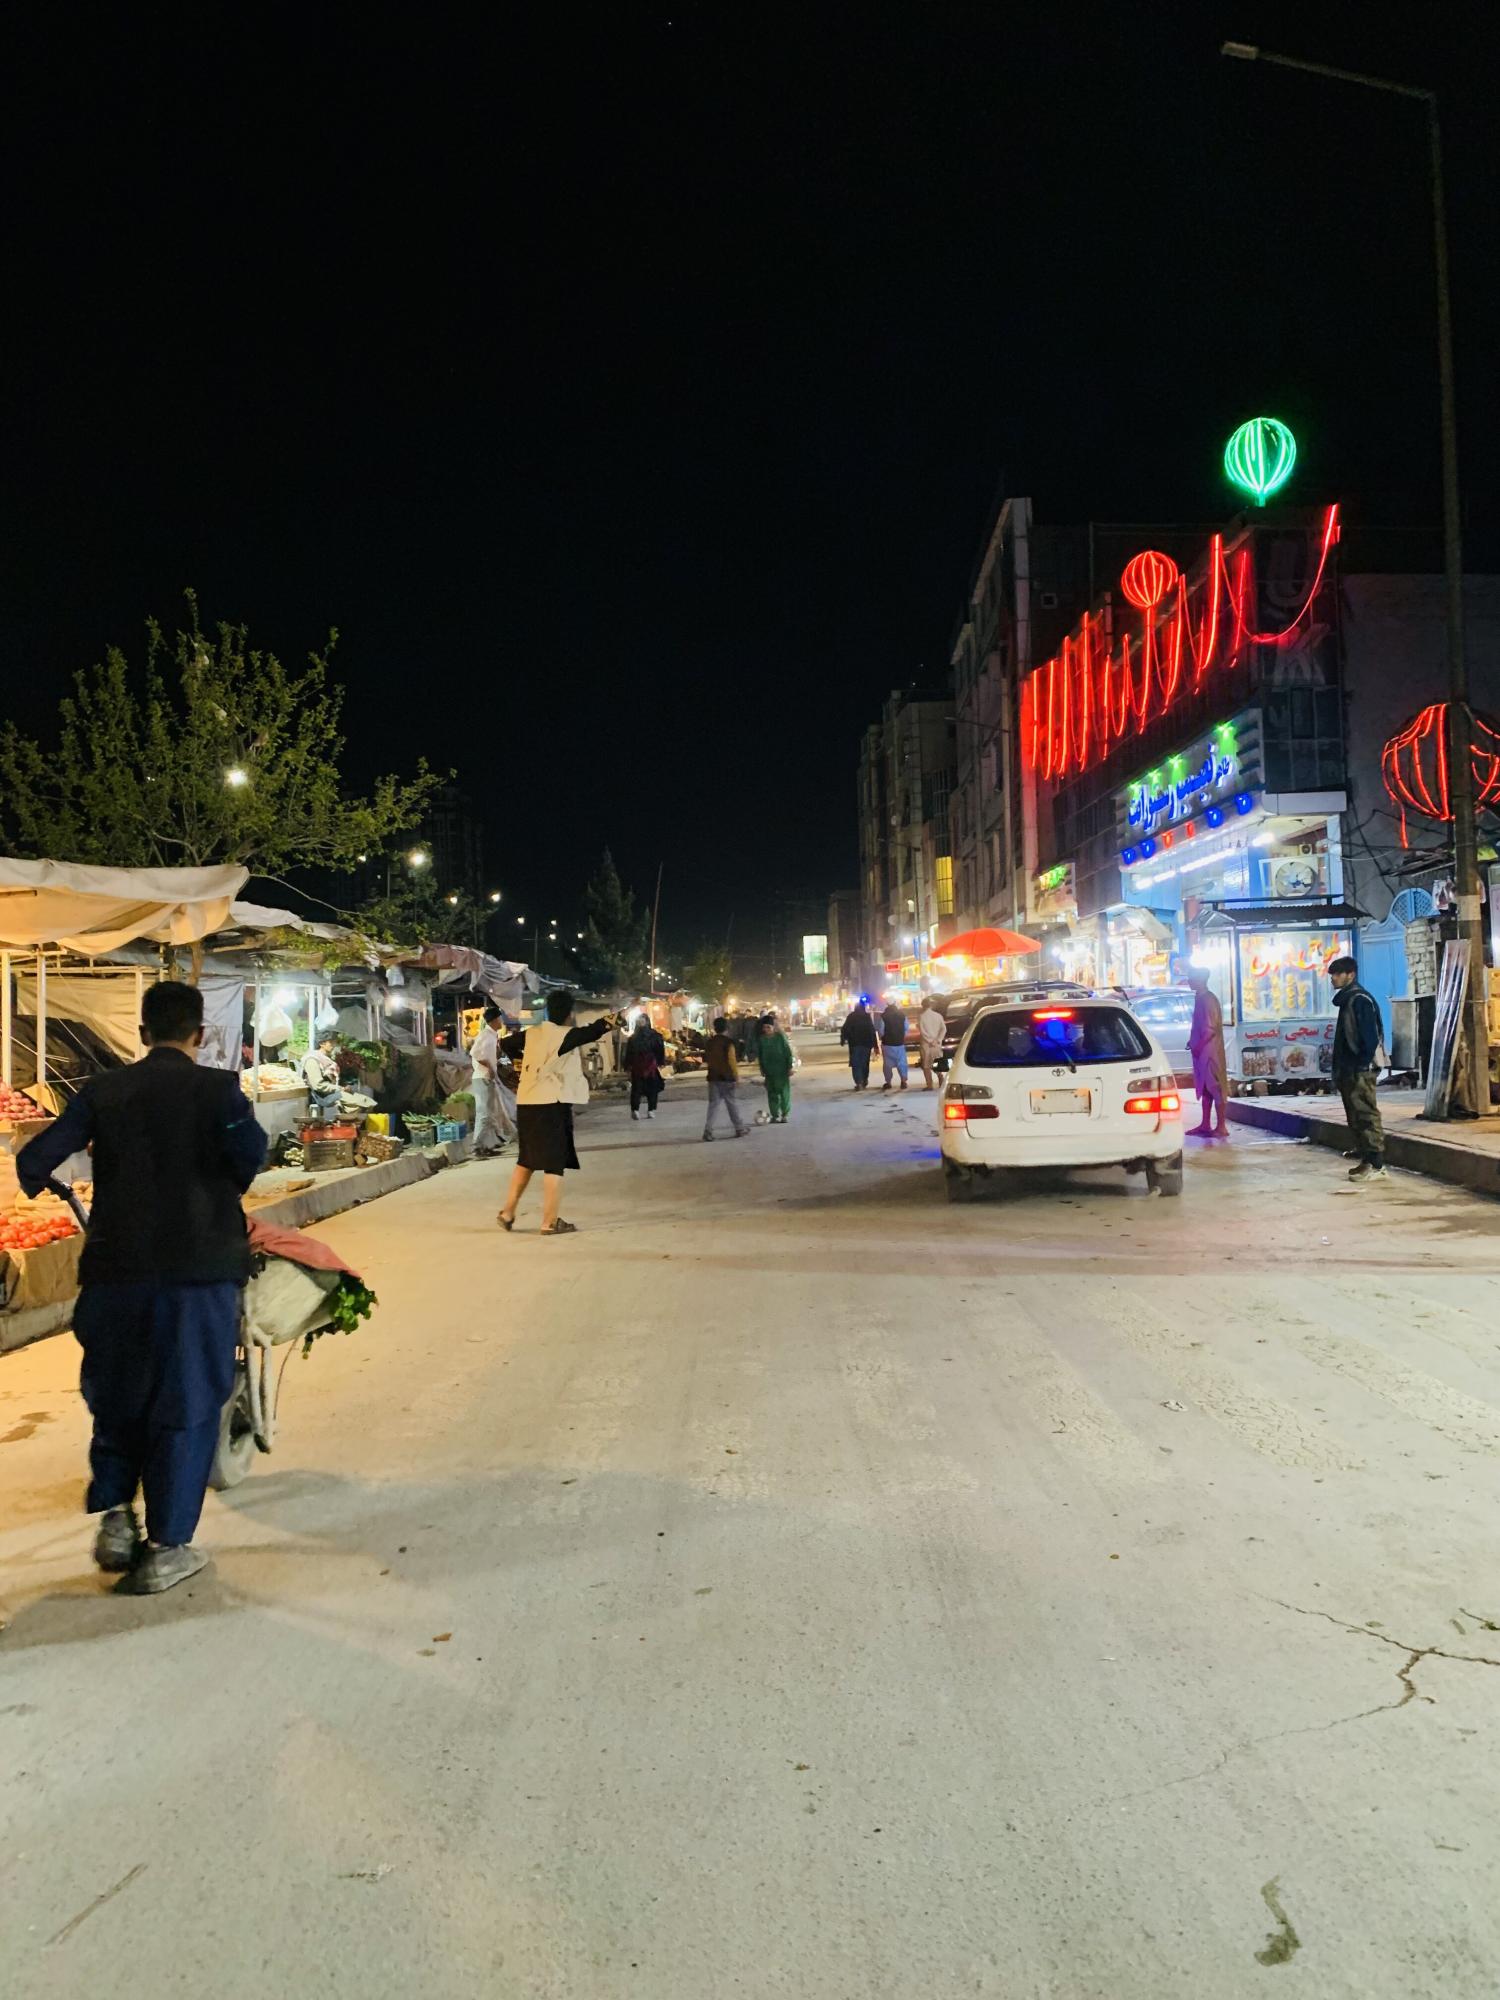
[1048, 599]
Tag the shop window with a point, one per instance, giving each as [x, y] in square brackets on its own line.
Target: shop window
[943, 876]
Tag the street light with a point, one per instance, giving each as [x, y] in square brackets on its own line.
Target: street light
[1473, 1088]
[417, 858]
[236, 776]
[494, 895]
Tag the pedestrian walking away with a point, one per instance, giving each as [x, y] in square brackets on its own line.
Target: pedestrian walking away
[492, 1124]
[723, 1067]
[167, 1257]
[645, 1062]
[1356, 1051]
[1210, 1063]
[859, 1038]
[931, 1027]
[893, 1045]
[552, 1083]
[777, 1062]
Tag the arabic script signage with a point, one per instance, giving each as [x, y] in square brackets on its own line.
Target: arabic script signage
[1185, 784]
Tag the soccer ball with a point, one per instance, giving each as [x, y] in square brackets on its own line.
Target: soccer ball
[762, 1117]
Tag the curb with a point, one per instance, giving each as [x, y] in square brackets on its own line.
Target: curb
[1416, 1152]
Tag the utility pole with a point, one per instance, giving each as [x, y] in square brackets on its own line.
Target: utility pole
[1472, 1078]
[655, 913]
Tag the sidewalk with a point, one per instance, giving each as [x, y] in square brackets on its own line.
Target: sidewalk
[1463, 1151]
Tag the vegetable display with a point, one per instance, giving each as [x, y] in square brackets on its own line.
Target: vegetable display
[32, 1231]
[16, 1104]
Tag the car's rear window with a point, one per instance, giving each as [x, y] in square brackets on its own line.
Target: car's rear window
[1044, 1036]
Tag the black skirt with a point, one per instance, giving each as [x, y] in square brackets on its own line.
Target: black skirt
[545, 1133]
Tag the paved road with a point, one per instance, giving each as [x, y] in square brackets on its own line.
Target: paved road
[795, 1585]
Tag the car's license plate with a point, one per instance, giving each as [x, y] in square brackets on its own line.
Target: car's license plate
[1048, 1103]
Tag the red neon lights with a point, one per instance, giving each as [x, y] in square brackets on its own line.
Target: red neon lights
[1147, 578]
[1087, 698]
[1421, 748]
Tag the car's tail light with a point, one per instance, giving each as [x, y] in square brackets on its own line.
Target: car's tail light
[1155, 1097]
[1053, 1014]
[965, 1101]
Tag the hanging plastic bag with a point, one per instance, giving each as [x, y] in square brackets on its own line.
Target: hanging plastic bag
[274, 1025]
[327, 1019]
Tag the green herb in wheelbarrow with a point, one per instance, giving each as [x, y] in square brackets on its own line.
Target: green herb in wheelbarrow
[348, 1303]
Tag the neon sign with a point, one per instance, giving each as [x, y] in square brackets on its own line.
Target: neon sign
[1173, 792]
[1091, 696]
[1260, 456]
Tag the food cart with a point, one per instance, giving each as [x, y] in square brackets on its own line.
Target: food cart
[1269, 965]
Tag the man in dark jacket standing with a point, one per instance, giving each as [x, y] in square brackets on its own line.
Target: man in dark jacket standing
[1356, 1041]
[175, 1148]
[858, 1037]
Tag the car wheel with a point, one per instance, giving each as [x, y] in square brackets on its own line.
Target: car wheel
[1165, 1179]
[957, 1182]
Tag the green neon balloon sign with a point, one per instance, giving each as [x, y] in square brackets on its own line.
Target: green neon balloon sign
[1260, 456]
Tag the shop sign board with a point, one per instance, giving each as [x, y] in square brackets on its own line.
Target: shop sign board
[1210, 770]
[1053, 893]
[1287, 1051]
[815, 953]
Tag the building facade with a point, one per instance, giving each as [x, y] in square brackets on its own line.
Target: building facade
[907, 900]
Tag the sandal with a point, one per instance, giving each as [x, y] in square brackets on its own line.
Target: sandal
[506, 1222]
[560, 1228]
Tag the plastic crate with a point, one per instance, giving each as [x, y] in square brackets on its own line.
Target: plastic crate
[450, 1132]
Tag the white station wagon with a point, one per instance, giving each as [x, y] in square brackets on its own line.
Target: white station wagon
[1067, 1083]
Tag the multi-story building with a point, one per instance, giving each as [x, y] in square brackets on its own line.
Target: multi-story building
[1029, 583]
[906, 866]
[846, 949]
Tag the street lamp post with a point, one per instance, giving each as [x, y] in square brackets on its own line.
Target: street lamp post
[1474, 1085]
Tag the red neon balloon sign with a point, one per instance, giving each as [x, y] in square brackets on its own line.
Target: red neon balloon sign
[1414, 765]
[1147, 578]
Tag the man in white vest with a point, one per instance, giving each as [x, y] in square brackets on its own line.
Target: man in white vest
[552, 1082]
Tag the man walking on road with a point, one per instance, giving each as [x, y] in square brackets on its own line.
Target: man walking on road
[893, 1044]
[776, 1065]
[1356, 1044]
[931, 1027]
[490, 1121]
[859, 1038]
[723, 1080]
[175, 1147]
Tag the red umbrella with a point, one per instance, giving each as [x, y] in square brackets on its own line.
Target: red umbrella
[987, 943]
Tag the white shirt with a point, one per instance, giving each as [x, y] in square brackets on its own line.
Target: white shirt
[931, 1026]
[485, 1053]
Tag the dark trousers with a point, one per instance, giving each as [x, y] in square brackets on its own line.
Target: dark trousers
[1366, 1133]
[644, 1089]
[158, 1368]
[859, 1062]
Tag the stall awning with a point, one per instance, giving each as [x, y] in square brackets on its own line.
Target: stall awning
[1281, 916]
[95, 910]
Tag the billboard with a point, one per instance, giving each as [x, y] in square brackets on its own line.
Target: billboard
[815, 953]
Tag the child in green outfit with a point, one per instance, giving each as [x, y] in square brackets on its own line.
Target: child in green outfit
[776, 1065]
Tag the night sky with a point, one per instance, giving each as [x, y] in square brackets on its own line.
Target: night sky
[631, 388]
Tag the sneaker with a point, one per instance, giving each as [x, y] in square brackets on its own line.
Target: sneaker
[635, 1117]
[163, 1569]
[650, 1114]
[118, 1542]
[1350, 1154]
[1368, 1171]
[707, 1138]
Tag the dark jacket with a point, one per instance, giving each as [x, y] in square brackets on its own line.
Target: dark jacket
[645, 1054]
[1359, 1032]
[858, 1030]
[893, 1027]
[175, 1147]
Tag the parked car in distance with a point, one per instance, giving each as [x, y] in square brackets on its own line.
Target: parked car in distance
[1077, 1082]
[1167, 1011]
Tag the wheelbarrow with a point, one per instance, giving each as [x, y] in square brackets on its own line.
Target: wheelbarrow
[289, 1297]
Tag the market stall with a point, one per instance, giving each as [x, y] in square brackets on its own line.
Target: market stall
[1269, 962]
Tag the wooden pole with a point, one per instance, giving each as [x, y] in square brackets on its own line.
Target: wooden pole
[655, 913]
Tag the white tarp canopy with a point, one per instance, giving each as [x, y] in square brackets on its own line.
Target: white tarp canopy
[96, 910]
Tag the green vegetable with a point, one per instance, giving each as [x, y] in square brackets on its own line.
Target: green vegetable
[348, 1303]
